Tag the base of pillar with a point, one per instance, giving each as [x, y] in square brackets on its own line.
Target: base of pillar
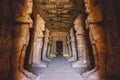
[97, 75]
[29, 74]
[52, 55]
[65, 55]
[85, 75]
[72, 59]
[79, 64]
[41, 64]
[46, 59]
[24, 75]
[21, 76]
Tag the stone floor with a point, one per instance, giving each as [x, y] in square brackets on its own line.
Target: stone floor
[59, 69]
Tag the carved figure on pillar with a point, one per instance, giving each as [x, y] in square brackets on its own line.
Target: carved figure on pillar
[81, 46]
[38, 43]
[46, 41]
[65, 47]
[22, 23]
[74, 52]
[69, 46]
[97, 37]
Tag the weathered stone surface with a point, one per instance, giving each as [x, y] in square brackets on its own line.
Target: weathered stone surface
[59, 36]
[113, 44]
[5, 38]
[5, 49]
[81, 46]
[58, 14]
[48, 50]
[21, 37]
[22, 10]
[45, 47]
[20, 41]
[69, 46]
[73, 46]
[93, 10]
[97, 36]
[38, 43]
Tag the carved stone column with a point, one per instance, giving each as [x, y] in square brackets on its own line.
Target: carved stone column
[46, 41]
[73, 46]
[22, 23]
[97, 36]
[53, 47]
[48, 51]
[49, 47]
[69, 46]
[38, 43]
[65, 47]
[81, 46]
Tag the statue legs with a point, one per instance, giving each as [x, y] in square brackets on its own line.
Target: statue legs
[37, 62]
[99, 48]
[20, 41]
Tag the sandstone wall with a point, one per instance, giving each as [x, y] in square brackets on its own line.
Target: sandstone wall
[59, 36]
[113, 39]
[5, 38]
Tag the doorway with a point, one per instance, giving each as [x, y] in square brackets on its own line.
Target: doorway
[59, 47]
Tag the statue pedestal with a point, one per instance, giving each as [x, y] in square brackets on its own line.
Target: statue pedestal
[79, 64]
[40, 64]
[72, 59]
[47, 59]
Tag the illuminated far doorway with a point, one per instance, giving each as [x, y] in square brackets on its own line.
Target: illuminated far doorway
[59, 47]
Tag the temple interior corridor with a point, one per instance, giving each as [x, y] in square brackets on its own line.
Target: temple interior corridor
[59, 39]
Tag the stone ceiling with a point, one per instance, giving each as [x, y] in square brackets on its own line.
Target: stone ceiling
[59, 15]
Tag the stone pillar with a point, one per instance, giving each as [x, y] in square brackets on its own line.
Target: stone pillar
[49, 47]
[46, 41]
[69, 46]
[48, 51]
[65, 47]
[81, 46]
[97, 36]
[53, 47]
[38, 43]
[73, 46]
[22, 23]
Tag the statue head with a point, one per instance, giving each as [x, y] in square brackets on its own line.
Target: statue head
[28, 4]
[22, 10]
[89, 5]
[98, 9]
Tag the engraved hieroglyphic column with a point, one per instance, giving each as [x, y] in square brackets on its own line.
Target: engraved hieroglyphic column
[38, 43]
[73, 45]
[22, 22]
[98, 39]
